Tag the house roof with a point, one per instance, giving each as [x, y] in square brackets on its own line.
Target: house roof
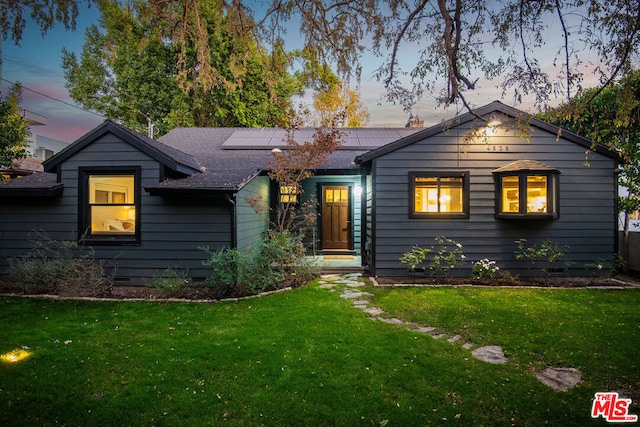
[524, 166]
[230, 157]
[485, 112]
[37, 184]
[168, 156]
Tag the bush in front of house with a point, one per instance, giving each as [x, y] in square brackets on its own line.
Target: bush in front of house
[172, 283]
[548, 254]
[273, 263]
[446, 257]
[484, 269]
[63, 267]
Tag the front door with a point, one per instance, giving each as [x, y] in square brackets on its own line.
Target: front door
[336, 217]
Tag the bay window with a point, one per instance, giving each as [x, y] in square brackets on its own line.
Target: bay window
[526, 189]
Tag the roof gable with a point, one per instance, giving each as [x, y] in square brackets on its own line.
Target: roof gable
[170, 157]
[485, 112]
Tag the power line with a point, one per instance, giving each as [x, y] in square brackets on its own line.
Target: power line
[54, 99]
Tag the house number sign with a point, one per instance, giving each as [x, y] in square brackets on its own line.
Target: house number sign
[497, 148]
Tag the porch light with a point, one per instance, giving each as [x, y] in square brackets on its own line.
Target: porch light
[357, 190]
[493, 122]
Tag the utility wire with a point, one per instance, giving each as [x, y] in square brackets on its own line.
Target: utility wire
[54, 99]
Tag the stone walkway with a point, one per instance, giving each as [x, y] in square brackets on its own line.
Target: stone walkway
[560, 379]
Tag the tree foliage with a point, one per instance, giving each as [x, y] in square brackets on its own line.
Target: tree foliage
[14, 132]
[129, 70]
[45, 13]
[610, 116]
[339, 105]
[438, 46]
[293, 164]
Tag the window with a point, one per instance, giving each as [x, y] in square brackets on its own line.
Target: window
[439, 195]
[528, 193]
[110, 205]
[288, 194]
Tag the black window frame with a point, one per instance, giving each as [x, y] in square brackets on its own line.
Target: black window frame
[439, 175]
[553, 195]
[84, 206]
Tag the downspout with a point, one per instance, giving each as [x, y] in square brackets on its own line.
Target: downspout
[234, 223]
[624, 253]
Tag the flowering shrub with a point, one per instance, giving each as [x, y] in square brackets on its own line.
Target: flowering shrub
[484, 269]
[448, 257]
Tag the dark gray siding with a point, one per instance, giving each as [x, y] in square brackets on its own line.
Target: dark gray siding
[172, 229]
[586, 201]
[251, 227]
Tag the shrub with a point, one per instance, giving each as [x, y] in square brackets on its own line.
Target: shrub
[272, 263]
[172, 283]
[447, 257]
[551, 254]
[484, 269]
[414, 258]
[63, 267]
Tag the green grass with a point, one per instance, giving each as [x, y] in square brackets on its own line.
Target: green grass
[307, 357]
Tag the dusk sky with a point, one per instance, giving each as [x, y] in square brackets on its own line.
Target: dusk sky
[37, 64]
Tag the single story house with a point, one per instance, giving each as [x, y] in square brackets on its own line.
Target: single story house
[150, 205]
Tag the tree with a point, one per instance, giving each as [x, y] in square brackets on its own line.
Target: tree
[129, 71]
[341, 105]
[611, 117]
[14, 132]
[293, 164]
[45, 13]
[452, 44]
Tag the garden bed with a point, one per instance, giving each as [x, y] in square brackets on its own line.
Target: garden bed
[551, 282]
[202, 292]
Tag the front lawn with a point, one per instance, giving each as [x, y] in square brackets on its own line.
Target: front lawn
[307, 357]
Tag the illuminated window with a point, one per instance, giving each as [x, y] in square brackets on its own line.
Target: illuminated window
[439, 194]
[288, 194]
[110, 210]
[530, 193]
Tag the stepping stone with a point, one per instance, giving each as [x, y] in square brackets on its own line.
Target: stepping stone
[353, 284]
[352, 277]
[391, 321]
[350, 294]
[491, 354]
[468, 345]
[425, 329]
[327, 285]
[455, 338]
[438, 336]
[361, 302]
[374, 311]
[560, 379]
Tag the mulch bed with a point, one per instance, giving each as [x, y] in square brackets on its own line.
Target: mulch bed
[208, 293]
[547, 282]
